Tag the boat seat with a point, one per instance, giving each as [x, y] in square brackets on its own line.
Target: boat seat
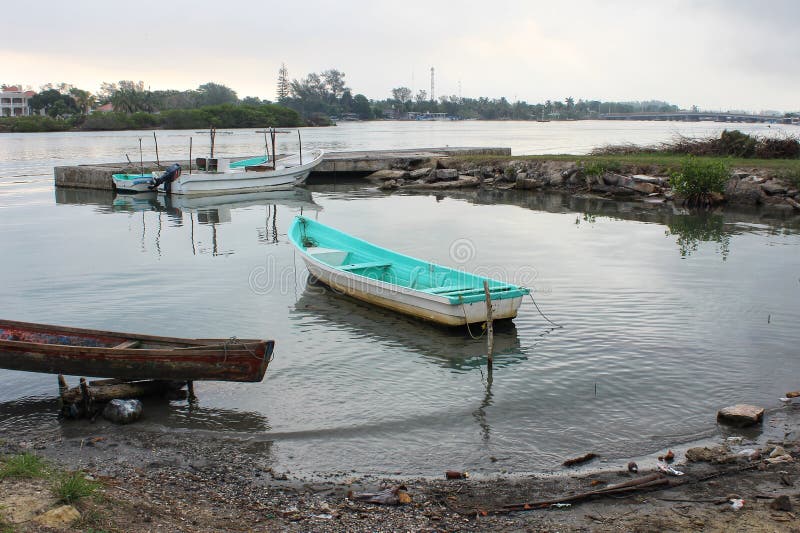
[127, 344]
[442, 290]
[359, 266]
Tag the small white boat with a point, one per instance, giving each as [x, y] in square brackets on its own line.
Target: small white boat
[220, 176]
[382, 277]
[133, 182]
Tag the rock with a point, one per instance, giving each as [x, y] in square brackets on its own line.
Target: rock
[527, 183]
[644, 187]
[740, 415]
[123, 411]
[388, 185]
[773, 188]
[793, 203]
[782, 503]
[609, 178]
[744, 192]
[704, 454]
[556, 180]
[461, 182]
[419, 173]
[643, 178]
[387, 174]
[446, 174]
[59, 517]
[779, 450]
[522, 176]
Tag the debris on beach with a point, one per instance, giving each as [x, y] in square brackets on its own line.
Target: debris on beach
[396, 495]
[740, 415]
[579, 460]
[455, 474]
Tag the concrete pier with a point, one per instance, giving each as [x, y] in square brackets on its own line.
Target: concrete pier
[98, 176]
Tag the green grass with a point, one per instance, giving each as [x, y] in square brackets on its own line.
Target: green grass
[70, 487]
[672, 160]
[25, 465]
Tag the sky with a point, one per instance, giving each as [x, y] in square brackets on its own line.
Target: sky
[716, 54]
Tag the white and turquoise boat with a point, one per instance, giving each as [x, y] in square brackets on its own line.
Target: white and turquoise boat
[133, 182]
[395, 281]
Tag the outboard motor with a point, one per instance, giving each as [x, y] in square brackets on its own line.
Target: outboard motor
[172, 173]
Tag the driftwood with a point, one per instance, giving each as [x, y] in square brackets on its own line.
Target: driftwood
[794, 394]
[579, 460]
[645, 482]
[104, 392]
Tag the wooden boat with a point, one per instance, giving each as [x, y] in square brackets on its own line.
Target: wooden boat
[424, 290]
[86, 352]
[219, 176]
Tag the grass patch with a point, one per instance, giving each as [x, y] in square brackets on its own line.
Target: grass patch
[25, 465]
[70, 487]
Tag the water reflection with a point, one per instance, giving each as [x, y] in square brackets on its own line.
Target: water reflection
[25, 413]
[450, 348]
[689, 227]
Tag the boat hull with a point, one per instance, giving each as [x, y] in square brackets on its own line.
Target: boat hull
[417, 306]
[74, 351]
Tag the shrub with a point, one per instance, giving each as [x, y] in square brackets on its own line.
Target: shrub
[699, 179]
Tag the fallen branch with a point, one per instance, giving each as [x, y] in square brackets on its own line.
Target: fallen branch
[649, 481]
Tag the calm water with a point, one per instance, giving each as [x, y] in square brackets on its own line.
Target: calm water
[667, 316]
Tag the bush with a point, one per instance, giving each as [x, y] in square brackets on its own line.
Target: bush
[699, 179]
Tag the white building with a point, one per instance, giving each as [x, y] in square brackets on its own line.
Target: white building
[14, 102]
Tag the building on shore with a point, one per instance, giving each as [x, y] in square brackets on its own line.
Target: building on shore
[14, 102]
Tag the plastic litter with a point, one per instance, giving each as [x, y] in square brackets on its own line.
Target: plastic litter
[123, 411]
[667, 469]
[737, 504]
[561, 505]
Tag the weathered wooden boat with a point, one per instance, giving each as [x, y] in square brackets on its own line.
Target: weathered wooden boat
[86, 352]
[418, 288]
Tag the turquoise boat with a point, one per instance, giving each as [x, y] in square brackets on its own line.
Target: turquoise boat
[395, 281]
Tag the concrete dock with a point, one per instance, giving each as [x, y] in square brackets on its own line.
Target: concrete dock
[98, 176]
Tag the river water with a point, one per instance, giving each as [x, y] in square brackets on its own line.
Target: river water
[666, 315]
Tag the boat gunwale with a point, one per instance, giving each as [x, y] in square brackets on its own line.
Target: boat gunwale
[202, 176]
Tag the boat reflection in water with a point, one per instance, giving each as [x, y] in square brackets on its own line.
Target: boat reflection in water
[205, 210]
[447, 347]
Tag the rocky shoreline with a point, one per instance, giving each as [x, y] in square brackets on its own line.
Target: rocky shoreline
[648, 183]
[152, 480]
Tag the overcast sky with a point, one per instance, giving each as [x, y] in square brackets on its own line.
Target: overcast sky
[717, 54]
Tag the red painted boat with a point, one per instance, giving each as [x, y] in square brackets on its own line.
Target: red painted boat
[97, 353]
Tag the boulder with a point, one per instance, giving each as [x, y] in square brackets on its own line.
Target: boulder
[643, 178]
[58, 518]
[388, 185]
[527, 183]
[419, 173]
[609, 178]
[123, 411]
[644, 187]
[743, 192]
[446, 174]
[740, 415]
[773, 188]
[715, 454]
[387, 174]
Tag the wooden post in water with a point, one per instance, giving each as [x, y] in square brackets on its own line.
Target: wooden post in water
[141, 161]
[190, 156]
[300, 143]
[489, 327]
[158, 161]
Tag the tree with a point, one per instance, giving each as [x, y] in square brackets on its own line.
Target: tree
[215, 94]
[422, 96]
[401, 94]
[361, 107]
[83, 99]
[283, 83]
[334, 83]
[53, 103]
[251, 100]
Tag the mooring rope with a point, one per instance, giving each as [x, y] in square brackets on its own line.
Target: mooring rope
[540, 311]
[466, 322]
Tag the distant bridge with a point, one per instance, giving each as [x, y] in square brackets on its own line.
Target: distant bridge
[697, 116]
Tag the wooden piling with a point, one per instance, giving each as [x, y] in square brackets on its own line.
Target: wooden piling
[158, 161]
[489, 326]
